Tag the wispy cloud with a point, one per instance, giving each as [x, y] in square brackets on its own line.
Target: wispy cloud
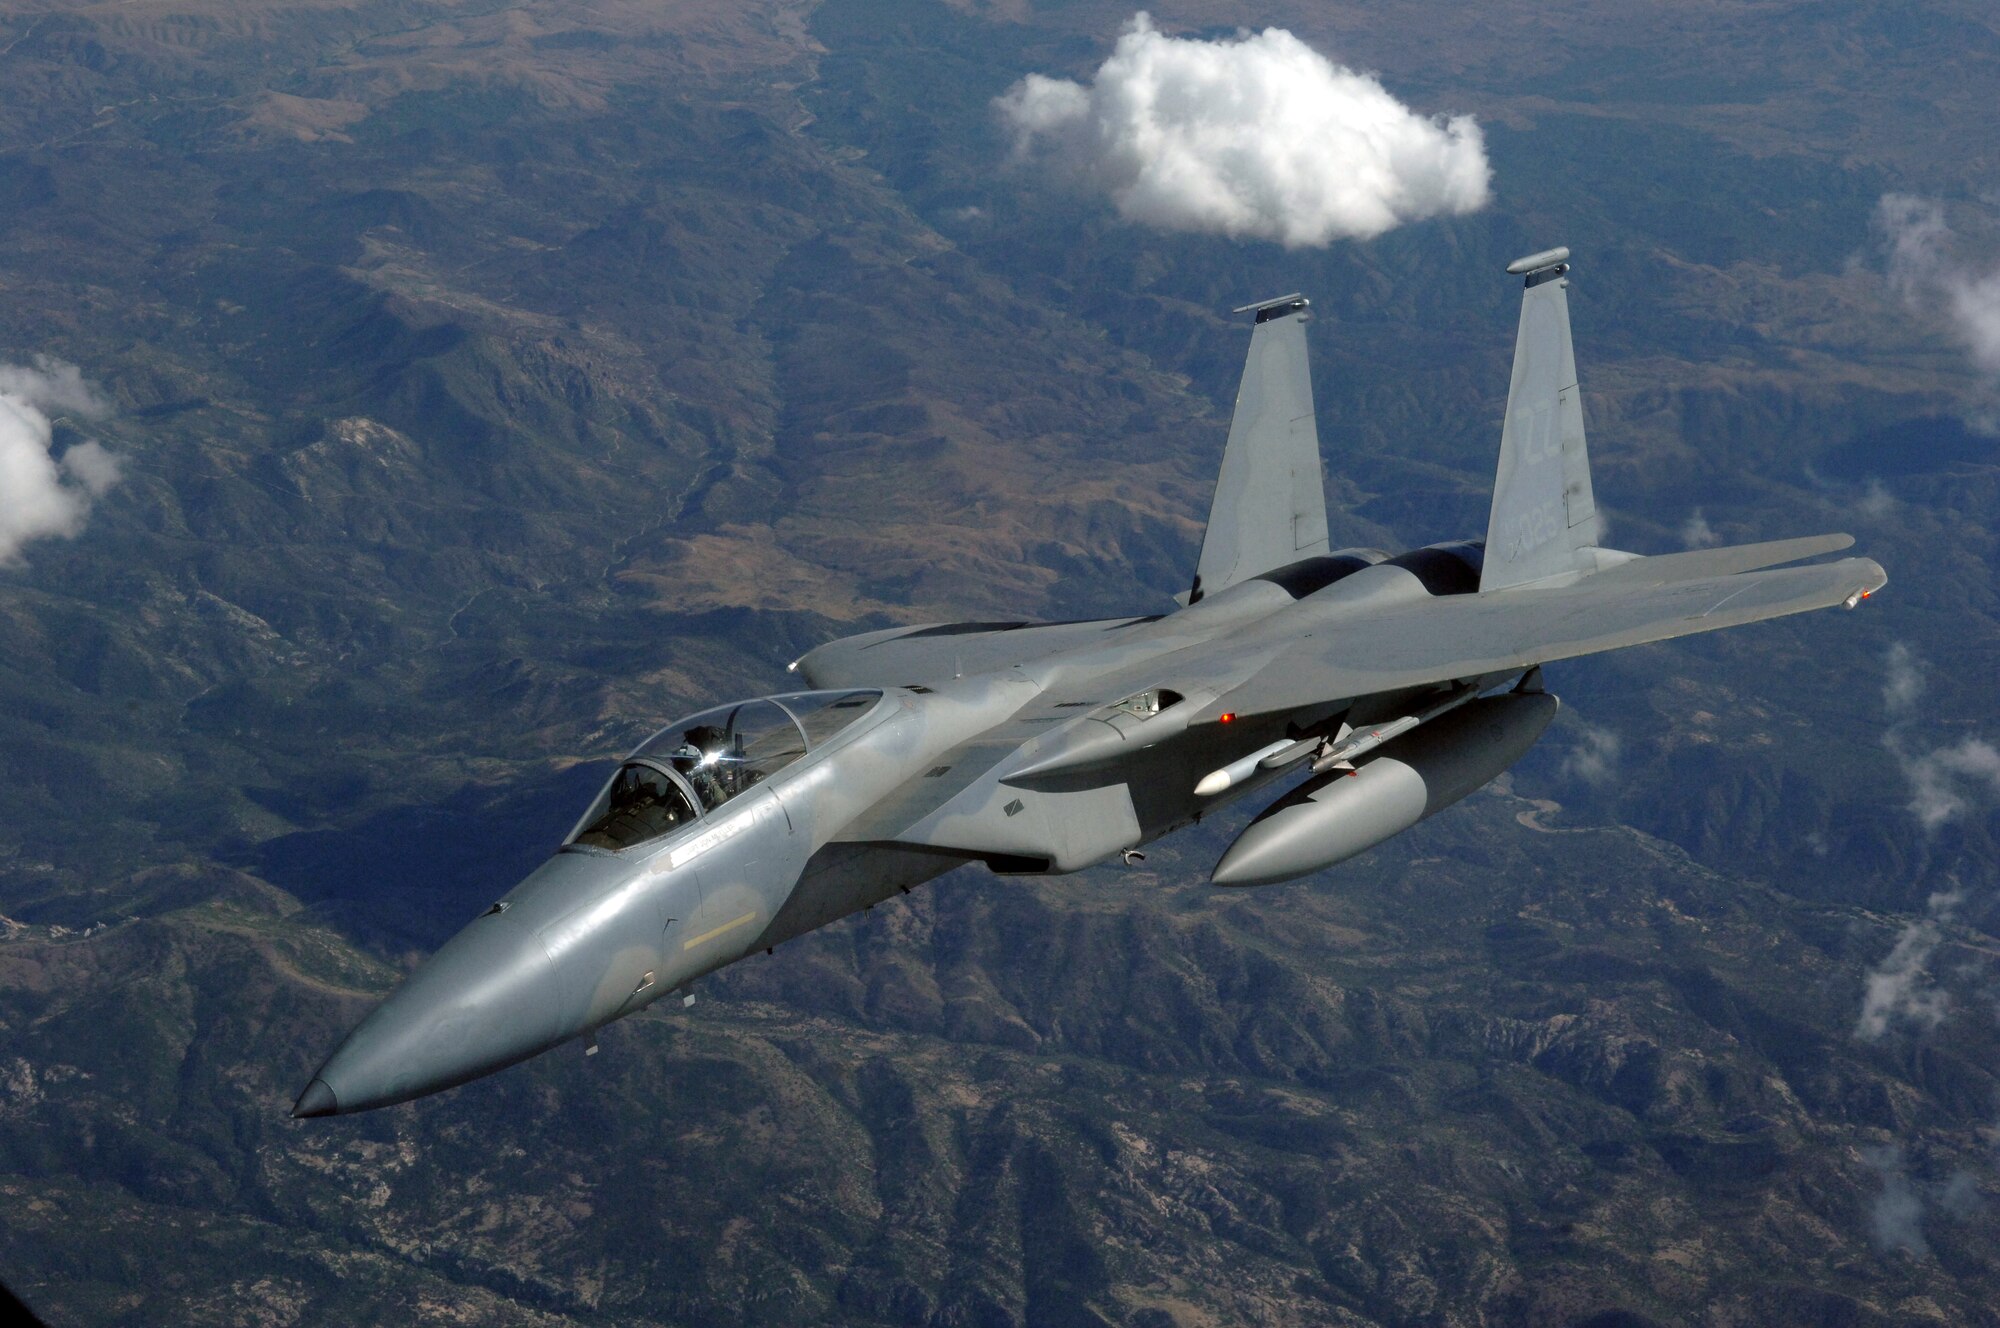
[1903, 681]
[1895, 1218]
[1902, 991]
[43, 495]
[1255, 136]
[1593, 758]
[1944, 780]
[1960, 1195]
[1899, 990]
[1927, 272]
[1876, 500]
[1696, 533]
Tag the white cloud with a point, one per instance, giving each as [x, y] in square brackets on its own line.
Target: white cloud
[1876, 500]
[42, 495]
[1960, 1196]
[1594, 758]
[1899, 990]
[1904, 680]
[54, 384]
[1255, 136]
[1919, 239]
[1944, 779]
[1925, 270]
[1896, 1214]
[92, 467]
[1696, 533]
[1976, 303]
[1895, 1218]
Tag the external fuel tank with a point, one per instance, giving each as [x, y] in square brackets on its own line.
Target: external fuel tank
[1336, 815]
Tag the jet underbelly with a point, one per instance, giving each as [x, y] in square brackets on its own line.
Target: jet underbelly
[846, 878]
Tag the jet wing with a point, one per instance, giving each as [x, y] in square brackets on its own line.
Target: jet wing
[961, 806]
[1466, 636]
[1038, 788]
[899, 656]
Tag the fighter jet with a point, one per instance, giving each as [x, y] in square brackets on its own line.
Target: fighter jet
[1383, 688]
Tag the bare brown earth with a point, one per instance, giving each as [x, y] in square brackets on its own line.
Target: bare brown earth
[496, 380]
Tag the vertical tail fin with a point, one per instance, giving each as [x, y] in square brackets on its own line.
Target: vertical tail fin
[1543, 511]
[1270, 499]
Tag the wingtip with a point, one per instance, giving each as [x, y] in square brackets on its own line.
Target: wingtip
[1536, 262]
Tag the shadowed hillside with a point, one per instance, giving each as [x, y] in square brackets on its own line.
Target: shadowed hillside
[492, 383]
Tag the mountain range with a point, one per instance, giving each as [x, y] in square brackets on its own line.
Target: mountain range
[492, 382]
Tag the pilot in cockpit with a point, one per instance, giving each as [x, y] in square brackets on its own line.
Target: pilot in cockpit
[708, 764]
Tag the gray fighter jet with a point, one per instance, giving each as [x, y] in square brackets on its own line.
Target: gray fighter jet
[1395, 685]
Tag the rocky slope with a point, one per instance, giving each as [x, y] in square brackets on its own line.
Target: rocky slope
[493, 381]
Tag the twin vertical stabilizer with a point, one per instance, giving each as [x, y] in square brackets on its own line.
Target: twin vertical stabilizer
[1270, 500]
[1543, 512]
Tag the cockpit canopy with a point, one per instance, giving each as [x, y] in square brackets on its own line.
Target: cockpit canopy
[692, 767]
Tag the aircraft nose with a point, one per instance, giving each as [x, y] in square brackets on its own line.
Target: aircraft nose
[489, 998]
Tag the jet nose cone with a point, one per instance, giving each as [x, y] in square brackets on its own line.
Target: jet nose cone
[489, 998]
[317, 1100]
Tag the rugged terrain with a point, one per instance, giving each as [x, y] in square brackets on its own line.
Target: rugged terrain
[494, 381]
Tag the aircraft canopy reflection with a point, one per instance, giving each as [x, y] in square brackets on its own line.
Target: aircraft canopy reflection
[694, 766]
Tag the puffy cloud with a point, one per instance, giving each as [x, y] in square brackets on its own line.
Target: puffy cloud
[1255, 136]
[42, 495]
[53, 384]
[1594, 758]
[1925, 270]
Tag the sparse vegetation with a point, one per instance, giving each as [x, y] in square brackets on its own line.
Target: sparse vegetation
[493, 384]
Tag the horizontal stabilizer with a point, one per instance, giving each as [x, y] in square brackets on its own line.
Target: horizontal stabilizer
[1472, 636]
[1697, 563]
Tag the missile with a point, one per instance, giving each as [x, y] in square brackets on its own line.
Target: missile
[1217, 781]
[1338, 814]
[1333, 752]
[1359, 742]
